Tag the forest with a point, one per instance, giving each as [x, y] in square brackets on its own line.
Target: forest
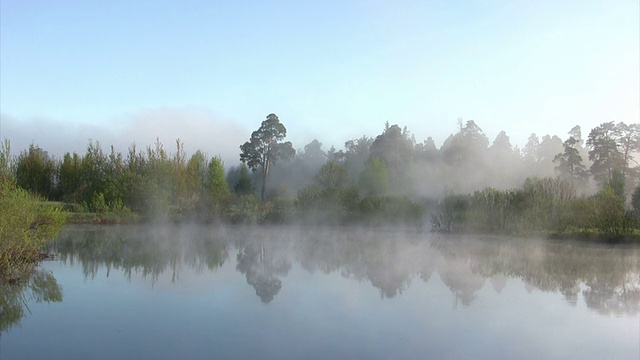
[580, 185]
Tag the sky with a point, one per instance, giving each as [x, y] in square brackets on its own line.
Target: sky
[208, 72]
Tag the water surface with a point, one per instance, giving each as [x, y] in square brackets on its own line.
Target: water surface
[167, 292]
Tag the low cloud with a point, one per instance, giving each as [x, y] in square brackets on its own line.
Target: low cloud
[197, 129]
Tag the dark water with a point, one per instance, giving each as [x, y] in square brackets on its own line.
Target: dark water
[173, 292]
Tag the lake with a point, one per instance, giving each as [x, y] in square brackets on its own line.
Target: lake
[285, 292]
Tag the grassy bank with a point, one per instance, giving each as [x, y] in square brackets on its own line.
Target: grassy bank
[548, 207]
[26, 223]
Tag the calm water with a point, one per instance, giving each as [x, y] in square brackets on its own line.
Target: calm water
[173, 292]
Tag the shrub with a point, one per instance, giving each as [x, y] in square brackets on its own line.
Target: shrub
[26, 223]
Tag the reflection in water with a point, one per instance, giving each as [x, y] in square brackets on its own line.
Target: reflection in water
[261, 265]
[145, 250]
[606, 277]
[41, 286]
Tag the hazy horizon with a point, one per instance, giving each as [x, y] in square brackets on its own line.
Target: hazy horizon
[208, 74]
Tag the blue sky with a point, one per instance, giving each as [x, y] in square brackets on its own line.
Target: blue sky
[210, 71]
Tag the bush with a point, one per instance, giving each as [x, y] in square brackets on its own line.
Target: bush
[390, 209]
[26, 223]
[610, 219]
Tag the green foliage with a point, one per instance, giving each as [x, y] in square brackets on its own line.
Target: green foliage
[548, 205]
[628, 141]
[70, 178]
[452, 212]
[616, 184]
[390, 209]
[374, 179]
[25, 224]
[35, 172]
[570, 162]
[39, 286]
[394, 147]
[635, 200]
[466, 146]
[247, 210]
[609, 218]
[604, 154]
[354, 156]
[332, 177]
[5, 159]
[154, 183]
[331, 197]
[217, 185]
[98, 204]
[243, 185]
[308, 197]
[264, 148]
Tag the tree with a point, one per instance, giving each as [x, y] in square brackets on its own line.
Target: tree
[354, 156]
[628, 140]
[264, 148]
[550, 146]
[426, 151]
[502, 144]
[374, 179]
[305, 166]
[502, 163]
[94, 171]
[635, 200]
[5, 159]
[217, 184]
[467, 146]
[196, 173]
[313, 155]
[243, 185]
[70, 177]
[604, 152]
[35, 172]
[576, 133]
[531, 149]
[616, 183]
[192, 196]
[570, 162]
[332, 177]
[394, 146]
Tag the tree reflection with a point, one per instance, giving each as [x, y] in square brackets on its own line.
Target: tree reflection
[262, 267]
[41, 286]
[148, 251]
[461, 280]
[378, 257]
[606, 278]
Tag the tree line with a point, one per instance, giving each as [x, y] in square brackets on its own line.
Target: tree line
[388, 177]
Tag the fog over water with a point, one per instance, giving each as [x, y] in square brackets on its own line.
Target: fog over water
[324, 292]
[403, 131]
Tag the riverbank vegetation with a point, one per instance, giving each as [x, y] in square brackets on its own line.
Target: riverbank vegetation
[26, 222]
[562, 188]
[548, 206]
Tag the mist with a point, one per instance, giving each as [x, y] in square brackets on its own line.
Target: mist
[198, 129]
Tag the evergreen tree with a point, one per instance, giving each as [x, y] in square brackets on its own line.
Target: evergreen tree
[243, 185]
[265, 148]
[604, 154]
[570, 162]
